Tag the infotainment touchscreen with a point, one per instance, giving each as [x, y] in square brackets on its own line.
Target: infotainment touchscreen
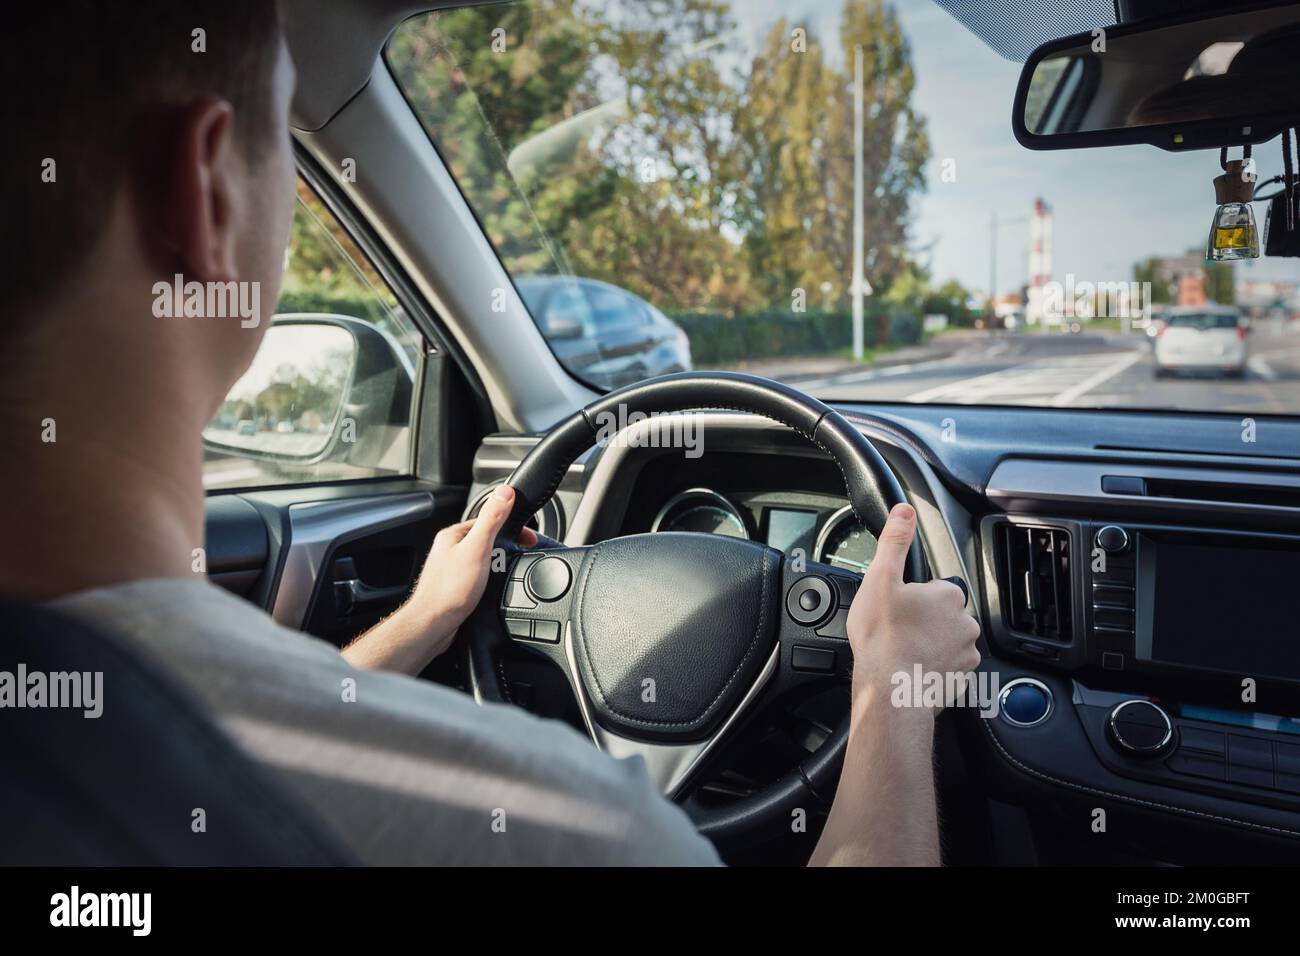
[1220, 607]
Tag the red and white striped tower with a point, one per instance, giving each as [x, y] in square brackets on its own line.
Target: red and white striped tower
[1040, 261]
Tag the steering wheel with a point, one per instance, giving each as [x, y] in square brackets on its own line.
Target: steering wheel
[670, 640]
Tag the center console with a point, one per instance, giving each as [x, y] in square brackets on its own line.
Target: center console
[1180, 644]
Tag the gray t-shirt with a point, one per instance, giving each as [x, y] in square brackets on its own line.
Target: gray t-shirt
[404, 771]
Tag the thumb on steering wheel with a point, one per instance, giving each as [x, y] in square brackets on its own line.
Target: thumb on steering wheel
[895, 541]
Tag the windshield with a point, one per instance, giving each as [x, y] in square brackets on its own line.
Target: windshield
[828, 192]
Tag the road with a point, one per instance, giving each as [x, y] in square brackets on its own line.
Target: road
[1080, 370]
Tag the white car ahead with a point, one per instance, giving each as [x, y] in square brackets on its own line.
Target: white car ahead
[1212, 338]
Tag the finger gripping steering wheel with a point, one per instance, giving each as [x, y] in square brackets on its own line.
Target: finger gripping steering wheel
[671, 641]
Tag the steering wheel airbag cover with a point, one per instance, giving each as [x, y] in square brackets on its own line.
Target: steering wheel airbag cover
[671, 630]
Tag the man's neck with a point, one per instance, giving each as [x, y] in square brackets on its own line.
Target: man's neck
[102, 475]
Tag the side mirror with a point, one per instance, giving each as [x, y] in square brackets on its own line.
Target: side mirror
[317, 385]
[563, 327]
[1193, 82]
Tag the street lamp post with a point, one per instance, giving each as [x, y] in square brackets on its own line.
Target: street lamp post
[859, 280]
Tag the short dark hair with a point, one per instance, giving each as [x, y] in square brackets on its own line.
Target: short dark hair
[81, 80]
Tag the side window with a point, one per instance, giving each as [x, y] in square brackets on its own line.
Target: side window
[330, 392]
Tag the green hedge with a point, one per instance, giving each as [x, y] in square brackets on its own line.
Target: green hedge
[715, 339]
[719, 339]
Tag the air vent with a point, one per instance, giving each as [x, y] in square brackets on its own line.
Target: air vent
[1036, 581]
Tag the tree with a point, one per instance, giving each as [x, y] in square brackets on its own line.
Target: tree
[1150, 271]
[798, 133]
[485, 93]
[660, 161]
[1220, 283]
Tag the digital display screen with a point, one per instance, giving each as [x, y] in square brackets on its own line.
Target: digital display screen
[788, 529]
[1223, 608]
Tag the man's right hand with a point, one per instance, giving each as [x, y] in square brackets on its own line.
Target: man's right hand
[894, 626]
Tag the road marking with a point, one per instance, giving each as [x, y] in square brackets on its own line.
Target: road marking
[867, 375]
[1104, 375]
[1060, 378]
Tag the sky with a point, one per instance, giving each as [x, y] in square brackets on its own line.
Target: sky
[1111, 206]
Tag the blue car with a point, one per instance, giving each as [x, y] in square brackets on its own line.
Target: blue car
[603, 334]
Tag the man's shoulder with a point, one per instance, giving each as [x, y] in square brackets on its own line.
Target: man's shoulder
[408, 771]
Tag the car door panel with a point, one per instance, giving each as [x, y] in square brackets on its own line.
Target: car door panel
[329, 560]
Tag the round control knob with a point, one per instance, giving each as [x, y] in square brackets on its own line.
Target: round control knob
[809, 600]
[1140, 728]
[1025, 702]
[1112, 539]
[548, 579]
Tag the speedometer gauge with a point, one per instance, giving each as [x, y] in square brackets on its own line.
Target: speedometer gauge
[844, 542]
[703, 511]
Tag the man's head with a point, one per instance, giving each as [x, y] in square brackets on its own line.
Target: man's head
[145, 140]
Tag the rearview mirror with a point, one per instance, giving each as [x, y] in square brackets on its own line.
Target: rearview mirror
[1177, 84]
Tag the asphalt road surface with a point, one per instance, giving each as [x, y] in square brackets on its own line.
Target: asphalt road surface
[1083, 370]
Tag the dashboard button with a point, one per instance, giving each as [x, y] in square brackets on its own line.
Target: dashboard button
[1114, 618]
[1288, 768]
[1207, 741]
[548, 579]
[1250, 776]
[1112, 595]
[519, 627]
[1112, 539]
[819, 660]
[1123, 485]
[847, 588]
[516, 596]
[546, 631]
[1250, 751]
[1198, 765]
[1140, 728]
[837, 626]
[809, 600]
[522, 564]
[1025, 702]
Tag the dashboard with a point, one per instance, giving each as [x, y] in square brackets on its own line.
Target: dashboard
[1133, 574]
[820, 527]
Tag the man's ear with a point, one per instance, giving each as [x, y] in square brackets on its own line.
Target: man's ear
[200, 215]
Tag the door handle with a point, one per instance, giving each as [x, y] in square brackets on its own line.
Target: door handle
[354, 593]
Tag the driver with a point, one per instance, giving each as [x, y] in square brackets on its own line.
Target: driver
[135, 157]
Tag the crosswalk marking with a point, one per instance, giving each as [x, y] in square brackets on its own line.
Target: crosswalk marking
[1058, 380]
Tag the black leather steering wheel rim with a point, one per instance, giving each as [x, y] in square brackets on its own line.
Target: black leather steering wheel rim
[870, 484]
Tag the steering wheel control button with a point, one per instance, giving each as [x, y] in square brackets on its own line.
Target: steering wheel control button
[549, 579]
[1140, 728]
[1112, 539]
[846, 588]
[548, 631]
[809, 600]
[522, 564]
[1025, 702]
[516, 596]
[837, 626]
[817, 660]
